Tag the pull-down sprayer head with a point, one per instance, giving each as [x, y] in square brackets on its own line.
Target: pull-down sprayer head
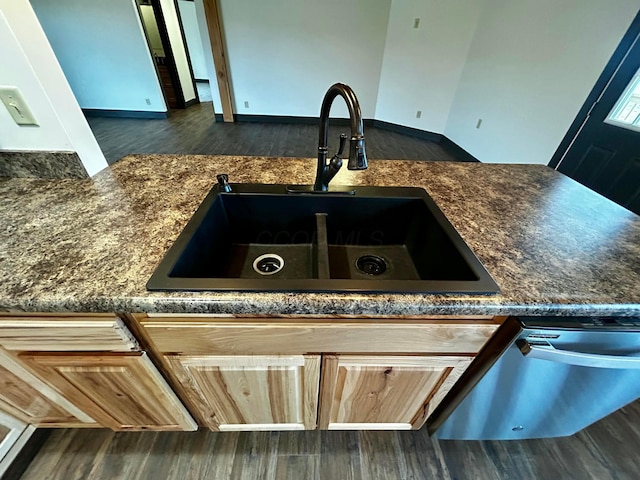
[357, 154]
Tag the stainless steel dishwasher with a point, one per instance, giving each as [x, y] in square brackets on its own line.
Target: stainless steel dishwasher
[541, 377]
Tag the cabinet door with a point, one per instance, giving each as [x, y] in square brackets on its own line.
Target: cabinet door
[384, 392]
[121, 391]
[252, 392]
[27, 398]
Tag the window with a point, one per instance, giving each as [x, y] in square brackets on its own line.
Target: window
[626, 112]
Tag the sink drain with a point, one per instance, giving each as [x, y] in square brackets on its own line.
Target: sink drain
[268, 264]
[371, 265]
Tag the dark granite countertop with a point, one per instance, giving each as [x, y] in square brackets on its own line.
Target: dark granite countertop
[552, 245]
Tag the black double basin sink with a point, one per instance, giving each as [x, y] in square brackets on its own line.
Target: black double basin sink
[361, 239]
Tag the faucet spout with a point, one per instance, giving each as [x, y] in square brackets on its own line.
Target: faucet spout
[357, 155]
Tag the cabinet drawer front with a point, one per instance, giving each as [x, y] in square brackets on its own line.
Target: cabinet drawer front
[202, 336]
[66, 333]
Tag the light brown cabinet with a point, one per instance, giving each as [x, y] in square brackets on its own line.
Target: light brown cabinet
[384, 392]
[121, 391]
[232, 373]
[262, 374]
[252, 392]
[83, 370]
[31, 400]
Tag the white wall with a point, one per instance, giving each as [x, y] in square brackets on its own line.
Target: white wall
[194, 42]
[530, 68]
[103, 52]
[284, 54]
[16, 70]
[177, 46]
[422, 66]
[29, 63]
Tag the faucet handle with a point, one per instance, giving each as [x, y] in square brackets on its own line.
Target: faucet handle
[343, 141]
[335, 164]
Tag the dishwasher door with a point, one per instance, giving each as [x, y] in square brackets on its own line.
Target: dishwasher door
[550, 383]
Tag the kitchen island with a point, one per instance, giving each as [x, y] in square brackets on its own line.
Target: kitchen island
[81, 332]
[552, 245]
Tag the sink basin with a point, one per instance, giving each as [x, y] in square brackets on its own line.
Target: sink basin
[366, 239]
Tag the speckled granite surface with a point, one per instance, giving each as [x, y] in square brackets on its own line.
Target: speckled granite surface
[41, 165]
[552, 245]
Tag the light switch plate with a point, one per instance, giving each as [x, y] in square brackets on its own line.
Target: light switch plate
[16, 106]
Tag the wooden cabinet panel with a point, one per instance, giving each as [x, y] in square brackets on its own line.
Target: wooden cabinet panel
[22, 400]
[121, 391]
[205, 336]
[26, 397]
[383, 392]
[252, 392]
[72, 332]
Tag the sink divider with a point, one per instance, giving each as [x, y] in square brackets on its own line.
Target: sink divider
[322, 246]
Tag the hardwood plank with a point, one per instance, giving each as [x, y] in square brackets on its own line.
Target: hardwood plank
[69, 454]
[614, 442]
[299, 443]
[157, 463]
[381, 457]
[340, 456]
[216, 455]
[423, 456]
[194, 131]
[606, 450]
[122, 456]
[256, 456]
[297, 467]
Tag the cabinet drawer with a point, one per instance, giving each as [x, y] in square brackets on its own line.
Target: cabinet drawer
[225, 336]
[65, 333]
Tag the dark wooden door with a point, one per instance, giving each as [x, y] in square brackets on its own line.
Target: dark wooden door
[605, 155]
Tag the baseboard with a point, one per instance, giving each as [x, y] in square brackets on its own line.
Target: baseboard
[96, 112]
[26, 453]
[413, 132]
[193, 101]
[457, 150]
[202, 80]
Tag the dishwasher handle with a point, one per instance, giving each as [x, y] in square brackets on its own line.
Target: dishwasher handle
[549, 352]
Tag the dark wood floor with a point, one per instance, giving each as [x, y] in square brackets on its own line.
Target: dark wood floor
[608, 450]
[194, 131]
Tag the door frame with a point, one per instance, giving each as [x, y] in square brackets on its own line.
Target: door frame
[619, 55]
[168, 51]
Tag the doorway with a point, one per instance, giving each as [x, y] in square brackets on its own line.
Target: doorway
[166, 64]
[602, 148]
